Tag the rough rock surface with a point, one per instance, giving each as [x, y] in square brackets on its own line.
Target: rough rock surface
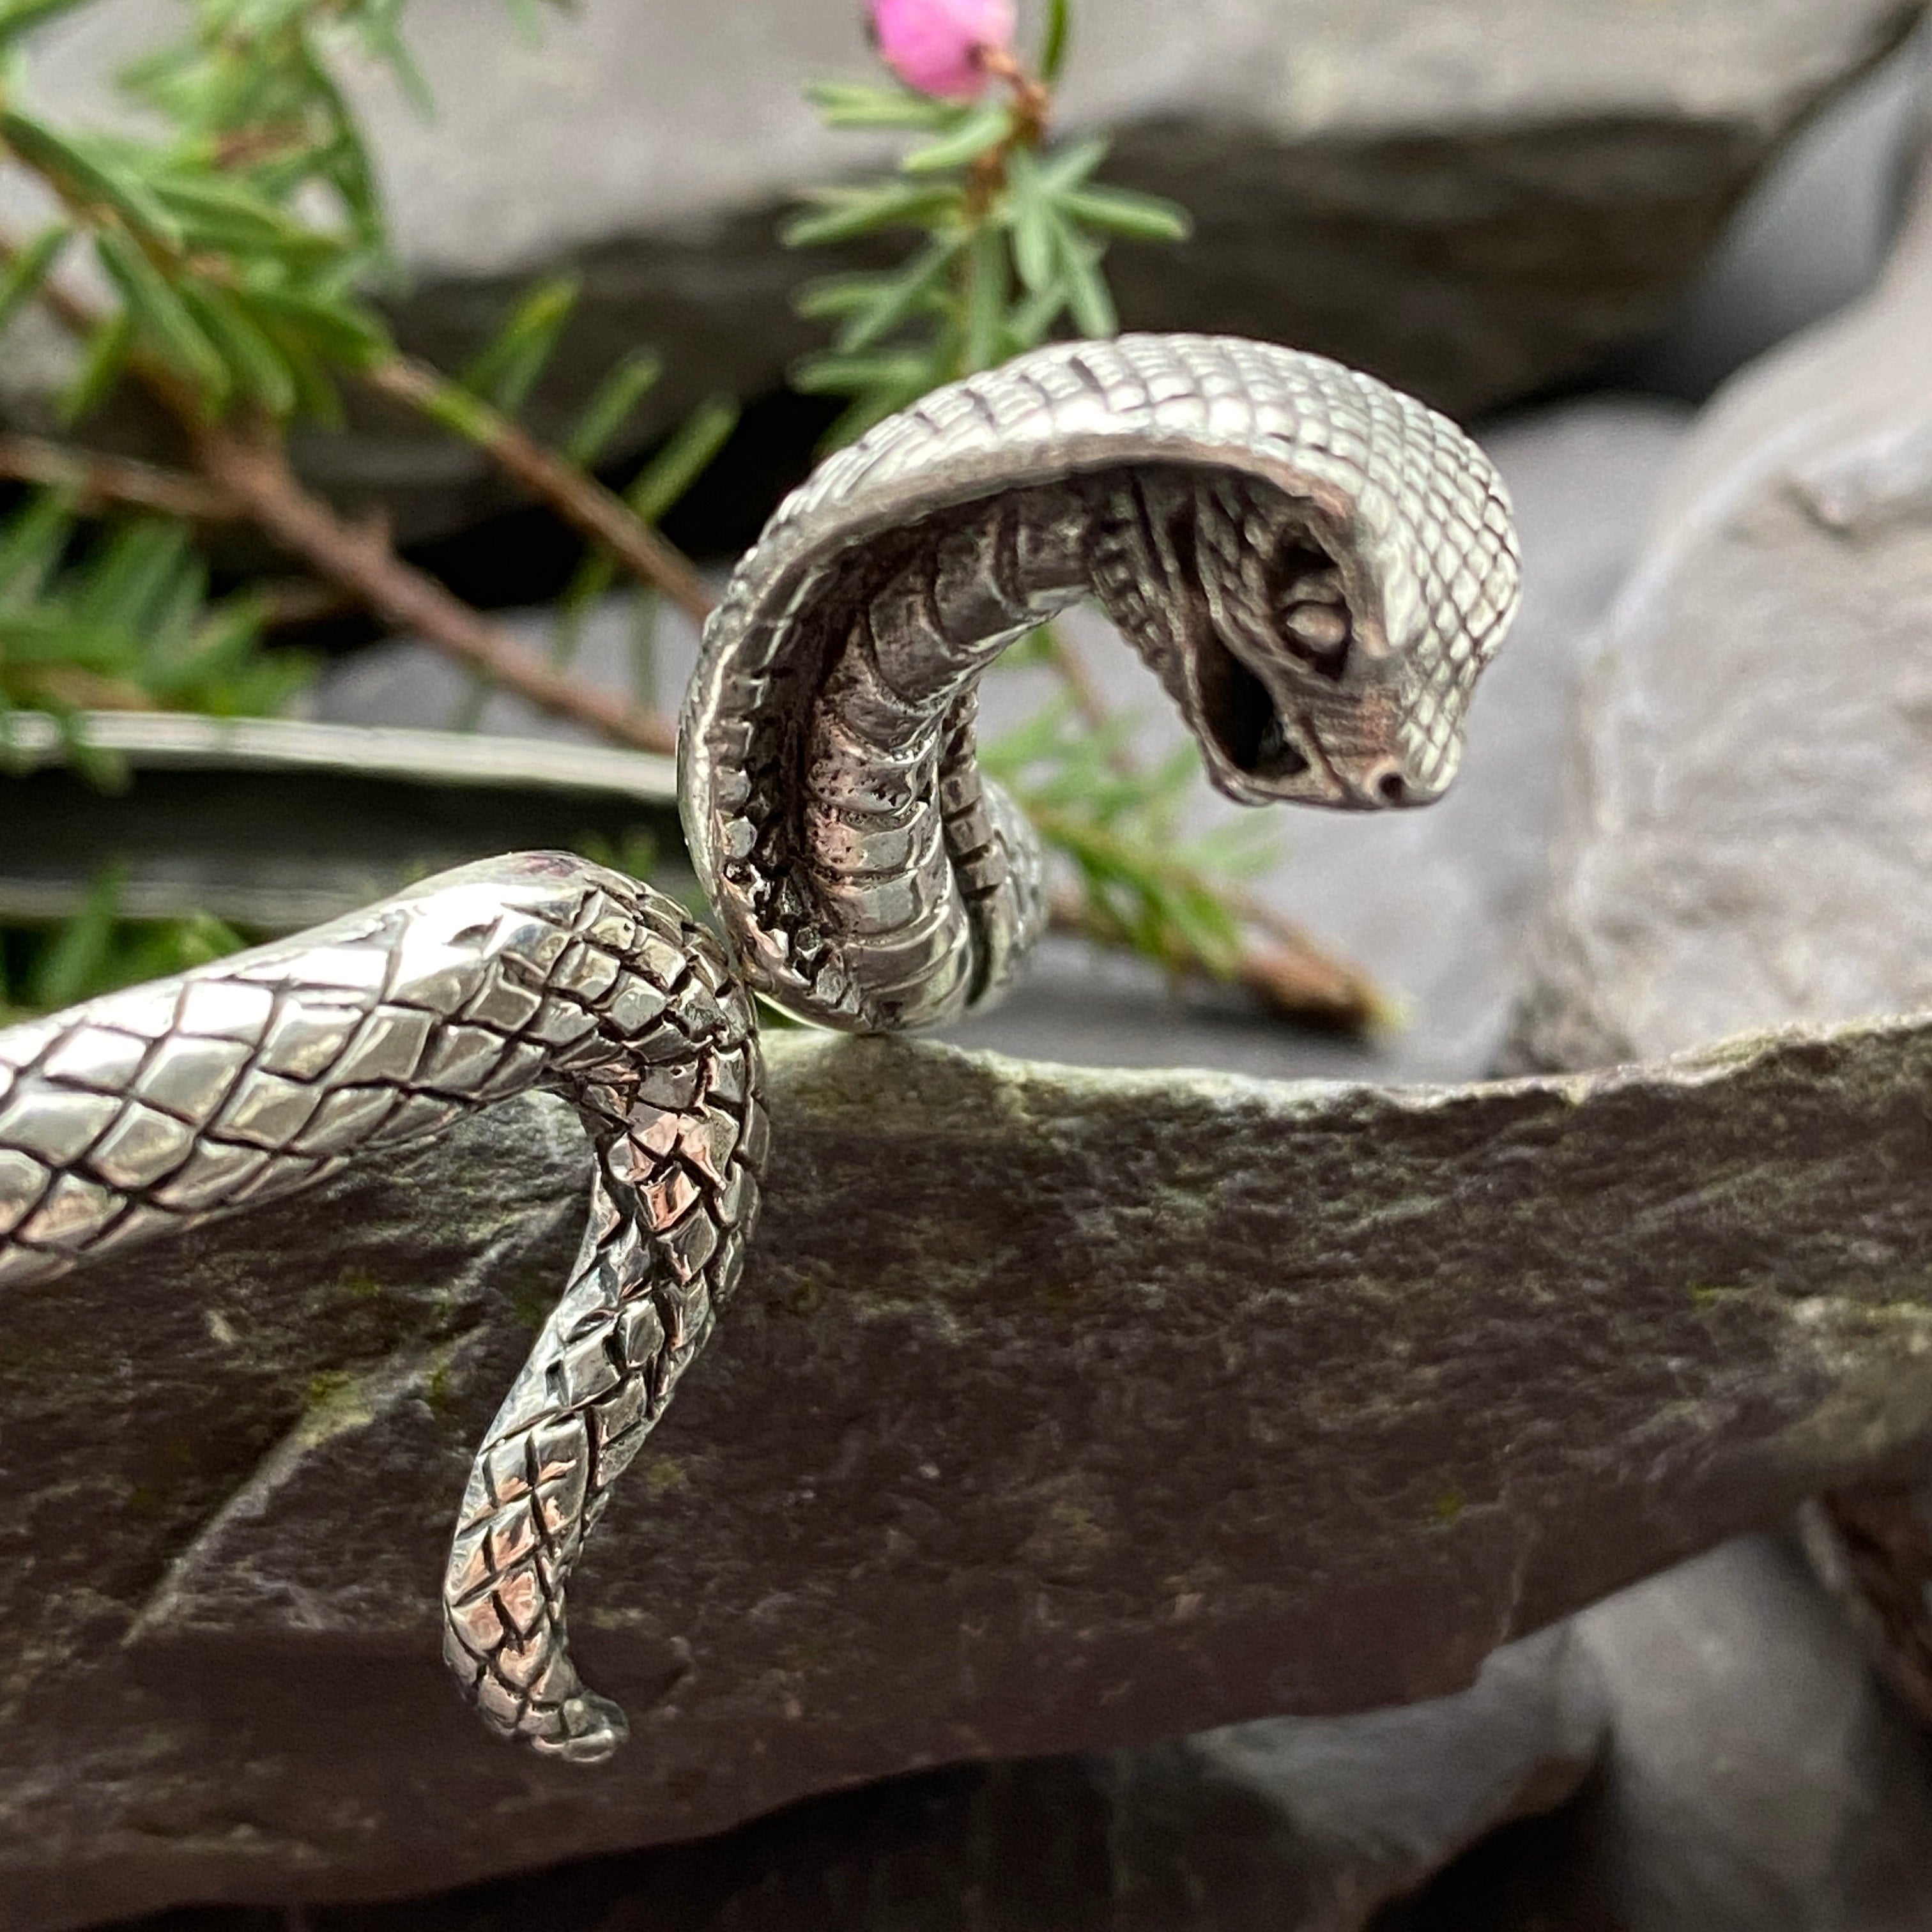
[1749, 837]
[1061, 1411]
[1749, 841]
[1474, 198]
[1288, 1825]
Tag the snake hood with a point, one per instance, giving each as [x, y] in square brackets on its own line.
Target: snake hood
[1316, 566]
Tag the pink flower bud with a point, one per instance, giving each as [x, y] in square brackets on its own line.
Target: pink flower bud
[936, 45]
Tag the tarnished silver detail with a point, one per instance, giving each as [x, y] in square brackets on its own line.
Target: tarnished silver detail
[1317, 568]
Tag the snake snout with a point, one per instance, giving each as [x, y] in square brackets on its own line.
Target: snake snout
[1388, 783]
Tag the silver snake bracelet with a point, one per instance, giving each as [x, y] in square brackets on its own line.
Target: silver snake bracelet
[1316, 567]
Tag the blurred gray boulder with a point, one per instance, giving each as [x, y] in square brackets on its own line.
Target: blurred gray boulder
[1289, 1825]
[1747, 839]
[1754, 1777]
[1757, 1778]
[1474, 198]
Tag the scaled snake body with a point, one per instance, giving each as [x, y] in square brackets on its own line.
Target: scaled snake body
[1316, 567]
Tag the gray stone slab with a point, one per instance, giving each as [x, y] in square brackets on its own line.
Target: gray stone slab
[1748, 840]
[1060, 1410]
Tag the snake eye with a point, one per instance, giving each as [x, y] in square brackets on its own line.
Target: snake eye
[1313, 615]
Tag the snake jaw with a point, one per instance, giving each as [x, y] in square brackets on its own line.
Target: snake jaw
[1311, 707]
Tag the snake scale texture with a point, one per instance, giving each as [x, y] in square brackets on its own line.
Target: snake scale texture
[1316, 567]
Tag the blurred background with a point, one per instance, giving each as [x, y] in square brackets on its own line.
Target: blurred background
[1570, 224]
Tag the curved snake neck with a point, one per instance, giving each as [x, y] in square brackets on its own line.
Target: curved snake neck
[1317, 568]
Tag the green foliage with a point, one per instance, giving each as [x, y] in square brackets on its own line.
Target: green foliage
[242, 237]
[1011, 235]
[1142, 884]
[657, 489]
[236, 240]
[494, 384]
[1059, 36]
[506, 369]
[240, 241]
[121, 618]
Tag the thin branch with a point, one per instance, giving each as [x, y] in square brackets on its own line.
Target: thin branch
[358, 557]
[1290, 975]
[254, 472]
[1084, 692]
[289, 602]
[580, 499]
[1033, 99]
[94, 481]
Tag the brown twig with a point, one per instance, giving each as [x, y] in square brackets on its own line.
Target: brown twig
[1085, 690]
[289, 602]
[253, 472]
[1289, 973]
[1033, 99]
[359, 558]
[580, 499]
[94, 481]
[1033, 108]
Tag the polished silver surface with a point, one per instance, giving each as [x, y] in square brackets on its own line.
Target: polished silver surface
[147, 1111]
[1316, 567]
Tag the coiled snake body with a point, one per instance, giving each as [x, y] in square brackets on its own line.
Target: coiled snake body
[1316, 567]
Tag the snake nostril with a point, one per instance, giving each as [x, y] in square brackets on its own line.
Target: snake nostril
[1392, 788]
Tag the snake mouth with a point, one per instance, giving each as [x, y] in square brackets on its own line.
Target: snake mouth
[1263, 746]
[1242, 719]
